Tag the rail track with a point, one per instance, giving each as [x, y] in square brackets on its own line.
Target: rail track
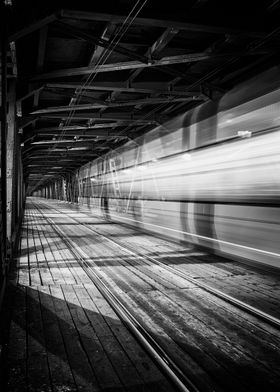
[267, 318]
[157, 353]
[175, 373]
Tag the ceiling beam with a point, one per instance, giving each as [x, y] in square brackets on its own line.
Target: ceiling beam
[53, 154]
[99, 51]
[81, 34]
[145, 88]
[80, 142]
[41, 166]
[30, 94]
[100, 130]
[32, 27]
[27, 120]
[152, 52]
[155, 49]
[127, 65]
[98, 133]
[52, 159]
[115, 116]
[145, 101]
[163, 23]
[52, 163]
[64, 152]
[76, 128]
[86, 96]
[100, 54]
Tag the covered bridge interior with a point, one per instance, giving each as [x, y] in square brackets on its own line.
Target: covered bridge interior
[81, 79]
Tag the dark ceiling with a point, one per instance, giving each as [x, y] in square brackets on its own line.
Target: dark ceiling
[90, 77]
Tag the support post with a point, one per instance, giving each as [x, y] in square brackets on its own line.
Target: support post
[11, 163]
[3, 137]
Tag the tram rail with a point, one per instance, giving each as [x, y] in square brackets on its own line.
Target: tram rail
[263, 316]
[157, 353]
[178, 369]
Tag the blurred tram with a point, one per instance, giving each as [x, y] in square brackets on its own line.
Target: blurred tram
[210, 177]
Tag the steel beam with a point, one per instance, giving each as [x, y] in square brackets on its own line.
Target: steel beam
[142, 102]
[155, 49]
[100, 134]
[3, 234]
[116, 116]
[94, 127]
[128, 65]
[30, 94]
[78, 142]
[99, 50]
[11, 164]
[32, 27]
[145, 88]
[27, 120]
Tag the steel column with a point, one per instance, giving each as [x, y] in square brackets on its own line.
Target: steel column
[11, 163]
[3, 135]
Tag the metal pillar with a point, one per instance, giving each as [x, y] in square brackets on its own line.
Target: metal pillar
[11, 163]
[3, 136]
[19, 187]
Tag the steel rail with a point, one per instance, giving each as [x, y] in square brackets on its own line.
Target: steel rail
[158, 354]
[275, 322]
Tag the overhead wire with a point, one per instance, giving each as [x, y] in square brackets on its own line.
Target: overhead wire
[103, 58]
[106, 54]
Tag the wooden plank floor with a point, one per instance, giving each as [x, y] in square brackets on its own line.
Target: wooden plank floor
[63, 335]
[219, 346]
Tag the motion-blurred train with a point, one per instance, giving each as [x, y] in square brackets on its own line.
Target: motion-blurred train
[210, 177]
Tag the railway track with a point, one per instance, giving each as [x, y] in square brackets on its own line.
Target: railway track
[157, 353]
[263, 316]
[175, 373]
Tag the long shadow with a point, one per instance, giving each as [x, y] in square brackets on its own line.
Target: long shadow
[67, 347]
[198, 254]
[75, 224]
[169, 257]
[71, 343]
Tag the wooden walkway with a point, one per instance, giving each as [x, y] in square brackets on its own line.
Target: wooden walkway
[62, 334]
